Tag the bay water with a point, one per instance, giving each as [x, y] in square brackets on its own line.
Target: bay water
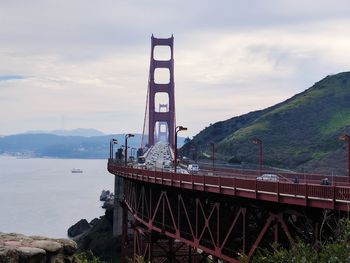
[41, 196]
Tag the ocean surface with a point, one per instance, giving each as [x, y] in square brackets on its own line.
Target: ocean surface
[42, 197]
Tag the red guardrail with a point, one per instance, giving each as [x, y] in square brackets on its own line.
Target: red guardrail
[322, 196]
[289, 176]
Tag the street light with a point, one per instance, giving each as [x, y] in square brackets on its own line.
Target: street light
[346, 137]
[212, 153]
[177, 129]
[111, 143]
[126, 146]
[259, 143]
[133, 152]
[194, 153]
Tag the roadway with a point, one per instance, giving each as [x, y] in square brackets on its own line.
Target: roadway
[160, 157]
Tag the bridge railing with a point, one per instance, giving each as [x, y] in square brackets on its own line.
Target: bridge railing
[306, 194]
[266, 186]
[287, 176]
[342, 193]
[293, 189]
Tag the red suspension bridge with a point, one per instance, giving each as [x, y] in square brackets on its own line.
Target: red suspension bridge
[221, 214]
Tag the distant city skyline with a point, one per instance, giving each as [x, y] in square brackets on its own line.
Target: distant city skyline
[84, 64]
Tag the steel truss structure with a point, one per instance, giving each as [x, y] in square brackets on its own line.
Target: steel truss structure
[195, 224]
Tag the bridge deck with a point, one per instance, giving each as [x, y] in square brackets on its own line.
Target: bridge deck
[302, 194]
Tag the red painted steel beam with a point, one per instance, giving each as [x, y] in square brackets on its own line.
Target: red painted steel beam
[260, 236]
[124, 242]
[318, 196]
[175, 235]
[205, 216]
[164, 209]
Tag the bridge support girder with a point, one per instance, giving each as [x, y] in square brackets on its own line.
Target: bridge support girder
[150, 246]
[125, 226]
[225, 228]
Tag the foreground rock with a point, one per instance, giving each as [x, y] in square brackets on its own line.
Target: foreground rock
[78, 228]
[20, 248]
[105, 195]
[108, 199]
[99, 239]
[108, 204]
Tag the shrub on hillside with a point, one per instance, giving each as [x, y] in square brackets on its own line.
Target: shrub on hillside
[336, 251]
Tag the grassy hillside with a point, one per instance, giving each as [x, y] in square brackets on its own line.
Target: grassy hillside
[300, 133]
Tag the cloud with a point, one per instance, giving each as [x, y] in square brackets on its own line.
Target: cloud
[89, 61]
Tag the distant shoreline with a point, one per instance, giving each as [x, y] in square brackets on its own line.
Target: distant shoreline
[49, 157]
[64, 147]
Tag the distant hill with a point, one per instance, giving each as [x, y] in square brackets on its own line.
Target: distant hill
[74, 132]
[301, 133]
[50, 145]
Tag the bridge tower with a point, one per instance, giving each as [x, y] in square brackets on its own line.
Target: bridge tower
[154, 116]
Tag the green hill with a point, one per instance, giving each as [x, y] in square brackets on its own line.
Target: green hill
[301, 133]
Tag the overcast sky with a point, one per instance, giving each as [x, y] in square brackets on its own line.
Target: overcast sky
[86, 61]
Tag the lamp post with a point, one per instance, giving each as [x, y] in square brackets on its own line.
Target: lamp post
[177, 129]
[194, 153]
[259, 143]
[346, 137]
[126, 147]
[111, 143]
[133, 152]
[213, 154]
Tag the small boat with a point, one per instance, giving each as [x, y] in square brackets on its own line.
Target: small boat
[76, 171]
[23, 156]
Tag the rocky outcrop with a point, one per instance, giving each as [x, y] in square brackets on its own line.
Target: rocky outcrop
[108, 199]
[78, 228]
[94, 222]
[99, 239]
[36, 249]
[108, 204]
[105, 195]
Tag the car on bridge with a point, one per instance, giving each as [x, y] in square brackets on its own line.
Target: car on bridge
[141, 161]
[268, 177]
[193, 168]
[167, 164]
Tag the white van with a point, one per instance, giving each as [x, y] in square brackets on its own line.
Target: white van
[166, 164]
[268, 177]
[193, 168]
